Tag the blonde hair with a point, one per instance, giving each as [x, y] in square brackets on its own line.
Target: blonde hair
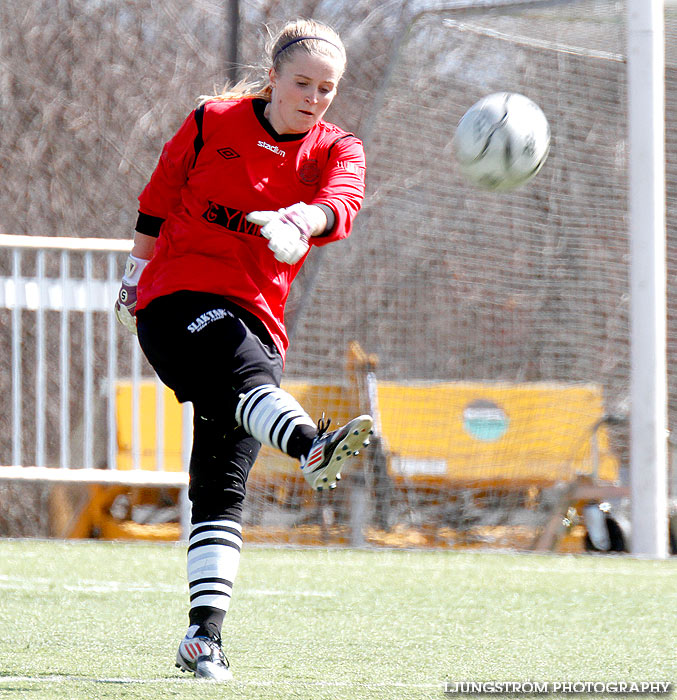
[315, 38]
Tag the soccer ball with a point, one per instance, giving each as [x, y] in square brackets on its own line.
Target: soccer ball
[502, 141]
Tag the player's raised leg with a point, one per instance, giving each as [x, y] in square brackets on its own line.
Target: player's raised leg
[275, 418]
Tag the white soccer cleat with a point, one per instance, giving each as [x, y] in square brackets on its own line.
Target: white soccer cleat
[203, 656]
[329, 451]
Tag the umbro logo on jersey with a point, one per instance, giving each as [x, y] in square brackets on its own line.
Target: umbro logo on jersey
[274, 149]
[228, 153]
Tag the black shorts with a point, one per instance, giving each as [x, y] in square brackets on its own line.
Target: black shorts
[207, 349]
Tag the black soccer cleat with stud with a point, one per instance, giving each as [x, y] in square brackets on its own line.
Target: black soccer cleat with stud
[329, 451]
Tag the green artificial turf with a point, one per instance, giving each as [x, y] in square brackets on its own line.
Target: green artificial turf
[83, 620]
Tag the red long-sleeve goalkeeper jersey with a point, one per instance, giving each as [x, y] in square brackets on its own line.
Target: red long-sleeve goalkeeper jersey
[225, 161]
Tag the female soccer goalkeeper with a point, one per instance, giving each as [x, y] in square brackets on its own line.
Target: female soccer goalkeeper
[252, 180]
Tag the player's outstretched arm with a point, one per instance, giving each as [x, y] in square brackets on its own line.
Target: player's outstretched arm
[289, 229]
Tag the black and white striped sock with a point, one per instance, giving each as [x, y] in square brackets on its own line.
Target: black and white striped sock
[213, 558]
[275, 418]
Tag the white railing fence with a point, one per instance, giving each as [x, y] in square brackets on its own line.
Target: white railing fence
[63, 355]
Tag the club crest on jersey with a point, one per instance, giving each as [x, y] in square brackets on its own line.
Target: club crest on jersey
[309, 171]
[273, 149]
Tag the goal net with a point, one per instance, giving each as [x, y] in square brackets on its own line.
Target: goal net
[499, 321]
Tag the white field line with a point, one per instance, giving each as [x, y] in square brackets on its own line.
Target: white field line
[302, 594]
[650, 573]
[563, 567]
[191, 679]
[87, 586]
[666, 567]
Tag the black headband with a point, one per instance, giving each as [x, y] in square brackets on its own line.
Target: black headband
[303, 38]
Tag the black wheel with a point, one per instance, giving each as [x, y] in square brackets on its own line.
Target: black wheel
[616, 537]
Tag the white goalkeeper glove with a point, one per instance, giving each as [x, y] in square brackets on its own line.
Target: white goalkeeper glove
[125, 305]
[289, 229]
